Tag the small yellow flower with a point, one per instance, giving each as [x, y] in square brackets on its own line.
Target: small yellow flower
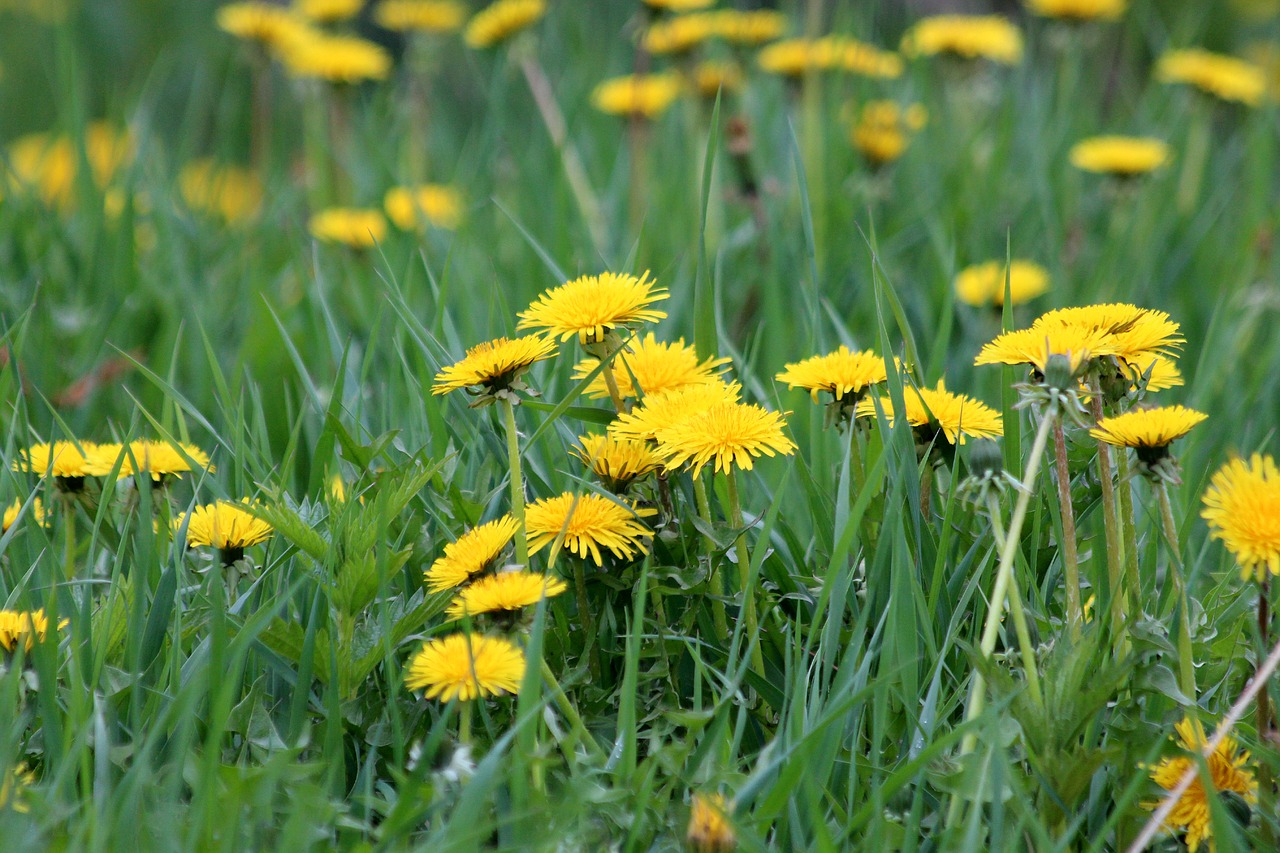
[655, 366]
[412, 208]
[500, 21]
[359, 228]
[228, 192]
[472, 553]
[588, 523]
[884, 128]
[709, 828]
[796, 57]
[1150, 432]
[495, 367]
[1119, 156]
[644, 95]
[593, 306]
[504, 592]
[428, 16]
[225, 526]
[25, 628]
[13, 785]
[1079, 10]
[843, 373]
[617, 462]
[679, 34]
[966, 36]
[160, 459]
[983, 284]
[1242, 506]
[464, 667]
[1225, 77]
[749, 27]
[328, 11]
[726, 436]
[955, 416]
[668, 408]
[335, 59]
[38, 513]
[48, 165]
[1228, 771]
[266, 23]
[712, 76]
[67, 462]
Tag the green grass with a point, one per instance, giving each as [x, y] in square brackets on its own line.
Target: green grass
[168, 715]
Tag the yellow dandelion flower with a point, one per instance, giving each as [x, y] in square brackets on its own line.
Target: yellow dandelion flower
[1036, 345]
[464, 667]
[495, 367]
[709, 829]
[225, 526]
[38, 513]
[726, 435]
[228, 192]
[1153, 373]
[668, 408]
[956, 416]
[266, 23]
[593, 306]
[618, 462]
[749, 27]
[504, 592]
[160, 459]
[335, 59]
[25, 628]
[428, 16]
[1242, 506]
[855, 57]
[328, 11]
[1079, 10]
[1225, 77]
[66, 461]
[983, 284]
[1136, 333]
[500, 21]
[679, 34]
[966, 36]
[48, 165]
[1228, 770]
[412, 208]
[844, 373]
[472, 553]
[884, 128]
[588, 523]
[1119, 156]
[796, 57]
[359, 228]
[13, 785]
[1147, 428]
[336, 489]
[641, 95]
[656, 366]
[679, 5]
[712, 76]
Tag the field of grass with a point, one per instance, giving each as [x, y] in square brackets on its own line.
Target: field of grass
[808, 649]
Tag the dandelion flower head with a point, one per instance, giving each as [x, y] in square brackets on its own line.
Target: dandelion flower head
[589, 523]
[160, 459]
[726, 436]
[11, 512]
[709, 829]
[1225, 77]
[328, 11]
[592, 306]
[504, 592]
[1228, 769]
[668, 408]
[24, 627]
[956, 416]
[499, 21]
[1119, 156]
[989, 37]
[713, 76]
[267, 23]
[884, 128]
[430, 16]
[639, 95]
[1034, 346]
[1079, 10]
[1147, 428]
[618, 462]
[225, 526]
[336, 59]
[465, 667]
[410, 208]
[65, 460]
[1242, 506]
[983, 284]
[230, 193]
[359, 228]
[472, 553]
[843, 373]
[494, 366]
[655, 366]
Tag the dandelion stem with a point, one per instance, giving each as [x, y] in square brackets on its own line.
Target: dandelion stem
[1264, 631]
[715, 581]
[1110, 522]
[1186, 667]
[69, 558]
[1128, 529]
[464, 722]
[611, 382]
[570, 713]
[1070, 555]
[859, 471]
[744, 572]
[517, 481]
[586, 618]
[1025, 647]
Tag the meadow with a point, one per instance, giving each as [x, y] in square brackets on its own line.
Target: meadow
[654, 425]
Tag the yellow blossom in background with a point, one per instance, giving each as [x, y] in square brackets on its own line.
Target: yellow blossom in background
[336, 59]
[643, 95]
[884, 128]
[266, 23]
[64, 460]
[226, 526]
[679, 34]
[983, 284]
[359, 228]
[715, 75]
[230, 193]
[796, 57]
[504, 592]
[657, 366]
[685, 32]
[593, 306]
[966, 36]
[24, 628]
[160, 459]
[725, 436]
[13, 785]
[49, 164]
[472, 553]
[589, 524]
[43, 11]
[749, 27]
[956, 416]
[1228, 771]
[37, 513]
[617, 462]
[1079, 10]
[1224, 77]
[494, 366]
[679, 5]
[1242, 506]
[410, 208]
[464, 667]
[328, 11]
[1120, 156]
[843, 373]
[709, 829]
[500, 21]
[432, 16]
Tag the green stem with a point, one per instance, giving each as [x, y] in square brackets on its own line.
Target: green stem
[1110, 521]
[464, 721]
[611, 382]
[744, 572]
[1186, 667]
[1070, 555]
[715, 580]
[1128, 530]
[586, 618]
[1026, 649]
[858, 468]
[570, 713]
[517, 481]
[69, 517]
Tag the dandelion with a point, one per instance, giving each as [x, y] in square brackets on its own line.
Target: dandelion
[1152, 372]
[884, 128]
[227, 192]
[679, 34]
[712, 76]
[411, 208]
[1225, 77]
[1228, 771]
[67, 462]
[983, 284]
[1119, 156]
[24, 628]
[650, 366]
[13, 785]
[1037, 345]
[679, 5]
[38, 513]
[428, 16]
[225, 526]
[639, 95]
[1079, 10]
[328, 11]
[970, 37]
[1135, 333]
[796, 57]
[588, 523]
[359, 228]
[727, 435]
[709, 830]
[937, 411]
[335, 59]
[505, 592]
[757, 26]
[1150, 432]
[266, 23]
[160, 459]
[500, 21]
[663, 410]
[1242, 506]
[594, 306]
[495, 368]
[617, 462]
[465, 667]
[845, 374]
[472, 553]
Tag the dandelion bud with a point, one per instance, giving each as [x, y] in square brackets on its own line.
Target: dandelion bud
[1059, 372]
[986, 460]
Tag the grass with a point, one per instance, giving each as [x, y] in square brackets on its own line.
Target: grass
[170, 713]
